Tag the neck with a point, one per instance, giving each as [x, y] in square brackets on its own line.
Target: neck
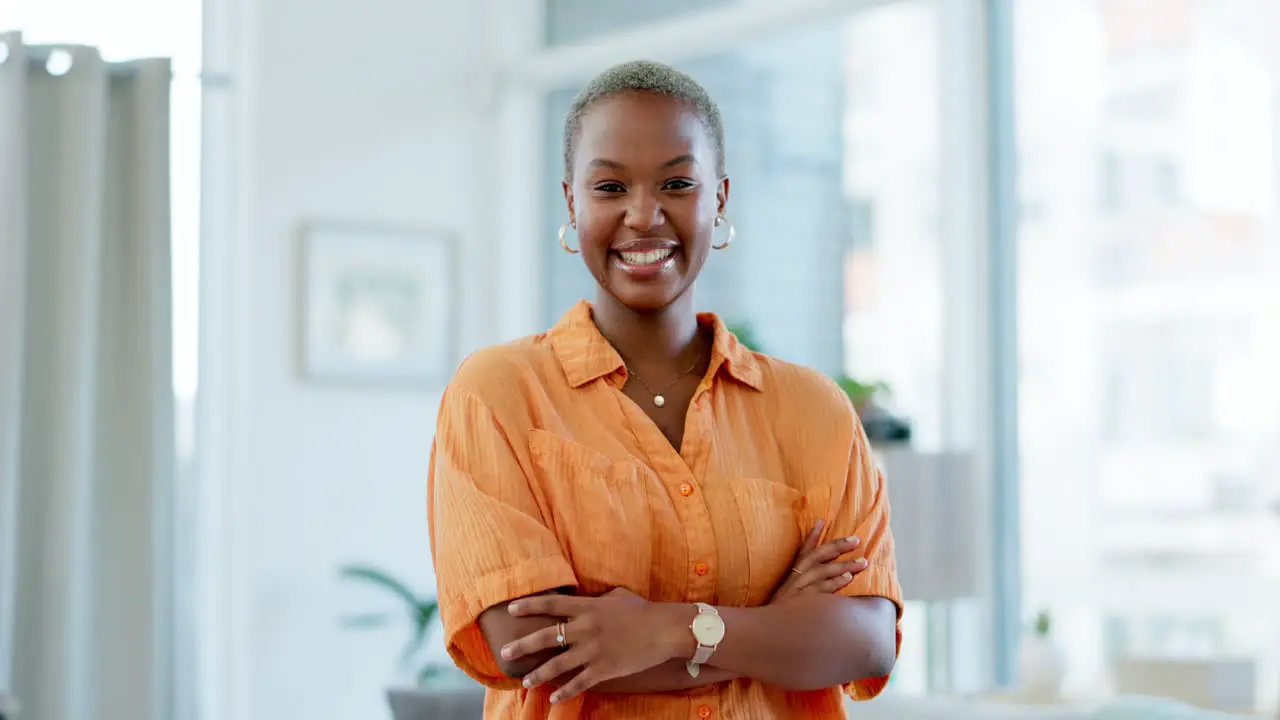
[648, 338]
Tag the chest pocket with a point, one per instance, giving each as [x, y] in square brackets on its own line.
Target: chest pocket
[599, 512]
[776, 518]
[771, 521]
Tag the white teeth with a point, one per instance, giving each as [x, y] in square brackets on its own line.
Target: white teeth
[647, 257]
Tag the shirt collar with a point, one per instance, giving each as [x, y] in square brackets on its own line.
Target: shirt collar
[586, 355]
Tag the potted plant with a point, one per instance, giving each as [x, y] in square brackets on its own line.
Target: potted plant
[1042, 665]
[432, 695]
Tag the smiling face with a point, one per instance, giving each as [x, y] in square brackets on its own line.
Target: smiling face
[644, 195]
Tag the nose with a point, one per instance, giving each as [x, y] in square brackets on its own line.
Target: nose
[645, 212]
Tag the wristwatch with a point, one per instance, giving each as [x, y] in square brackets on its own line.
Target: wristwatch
[708, 631]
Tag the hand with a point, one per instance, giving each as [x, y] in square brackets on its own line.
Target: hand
[611, 636]
[818, 569]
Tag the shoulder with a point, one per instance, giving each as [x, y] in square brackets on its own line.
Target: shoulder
[799, 386]
[499, 375]
[806, 405]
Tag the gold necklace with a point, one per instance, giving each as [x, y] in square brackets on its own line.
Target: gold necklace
[658, 398]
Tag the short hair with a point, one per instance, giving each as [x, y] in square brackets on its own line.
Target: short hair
[643, 76]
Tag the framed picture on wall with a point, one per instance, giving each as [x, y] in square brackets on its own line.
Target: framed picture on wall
[378, 304]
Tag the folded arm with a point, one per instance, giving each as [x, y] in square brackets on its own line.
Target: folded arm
[807, 642]
[501, 629]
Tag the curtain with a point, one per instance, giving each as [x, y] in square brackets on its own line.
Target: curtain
[86, 401]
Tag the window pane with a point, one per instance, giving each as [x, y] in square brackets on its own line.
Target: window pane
[577, 21]
[1150, 329]
[893, 262]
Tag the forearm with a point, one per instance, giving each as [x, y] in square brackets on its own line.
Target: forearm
[807, 642]
[668, 677]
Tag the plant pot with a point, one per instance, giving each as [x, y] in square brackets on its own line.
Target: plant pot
[431, 704]
[1042, 668]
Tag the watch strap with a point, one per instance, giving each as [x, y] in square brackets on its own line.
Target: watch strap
[702, 654]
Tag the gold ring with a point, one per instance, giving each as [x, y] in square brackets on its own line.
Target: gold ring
[560, 635]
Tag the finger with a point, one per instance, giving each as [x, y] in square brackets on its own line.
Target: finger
[828, 570]
[831, 585]
[811, 541]
[553, 605]
[827, 553]
[571, 659]
[581, 683]
[543, 639]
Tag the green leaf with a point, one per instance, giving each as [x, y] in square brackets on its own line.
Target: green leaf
[1044, 623]
[860, 392]
[385, 580]
[421, 627]
[427, 672]
[368, 620]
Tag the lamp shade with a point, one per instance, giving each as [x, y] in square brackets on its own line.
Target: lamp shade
[935, 515]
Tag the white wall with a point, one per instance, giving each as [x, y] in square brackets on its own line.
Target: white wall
[333, 110]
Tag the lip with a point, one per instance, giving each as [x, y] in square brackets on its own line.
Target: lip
[645, 244]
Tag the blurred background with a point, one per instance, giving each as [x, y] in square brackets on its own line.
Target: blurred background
[245, 243]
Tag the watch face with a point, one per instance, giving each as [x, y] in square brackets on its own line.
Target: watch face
[708, 629]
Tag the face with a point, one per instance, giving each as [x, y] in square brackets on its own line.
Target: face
[644, 197]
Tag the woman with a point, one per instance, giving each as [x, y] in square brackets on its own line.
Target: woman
[626, 510]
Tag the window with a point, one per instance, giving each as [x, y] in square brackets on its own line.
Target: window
[1149, 337]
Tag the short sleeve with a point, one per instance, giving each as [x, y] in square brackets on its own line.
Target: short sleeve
[864, 511]
[489, 543]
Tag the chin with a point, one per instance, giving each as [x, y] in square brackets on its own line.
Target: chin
[645, 300]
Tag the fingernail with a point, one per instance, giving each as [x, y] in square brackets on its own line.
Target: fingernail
[528, 682]
[852, 538]
[847, 577]
[513, 607]
[506, 652]
[862, 561]
[555, 698]
[817, 525]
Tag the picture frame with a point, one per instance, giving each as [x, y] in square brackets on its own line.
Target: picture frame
[378, 304]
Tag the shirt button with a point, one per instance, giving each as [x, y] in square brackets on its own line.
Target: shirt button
[700, 568]
[686, 489]
[704, 712]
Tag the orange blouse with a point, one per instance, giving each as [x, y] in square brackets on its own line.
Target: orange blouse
[545, 475]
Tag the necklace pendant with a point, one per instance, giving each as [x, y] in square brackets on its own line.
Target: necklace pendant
[659, 400]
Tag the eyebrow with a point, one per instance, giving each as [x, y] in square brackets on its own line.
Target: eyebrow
[678, 160]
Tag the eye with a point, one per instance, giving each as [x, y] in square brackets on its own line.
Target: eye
[609, 187]
[679, 184]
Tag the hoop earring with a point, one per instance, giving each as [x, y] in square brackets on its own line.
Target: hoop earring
[563, 245]
[722, 220]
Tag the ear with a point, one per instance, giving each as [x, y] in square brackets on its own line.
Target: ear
[568, 201]
[722, 195]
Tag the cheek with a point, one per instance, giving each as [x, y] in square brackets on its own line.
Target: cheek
[595, 229]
